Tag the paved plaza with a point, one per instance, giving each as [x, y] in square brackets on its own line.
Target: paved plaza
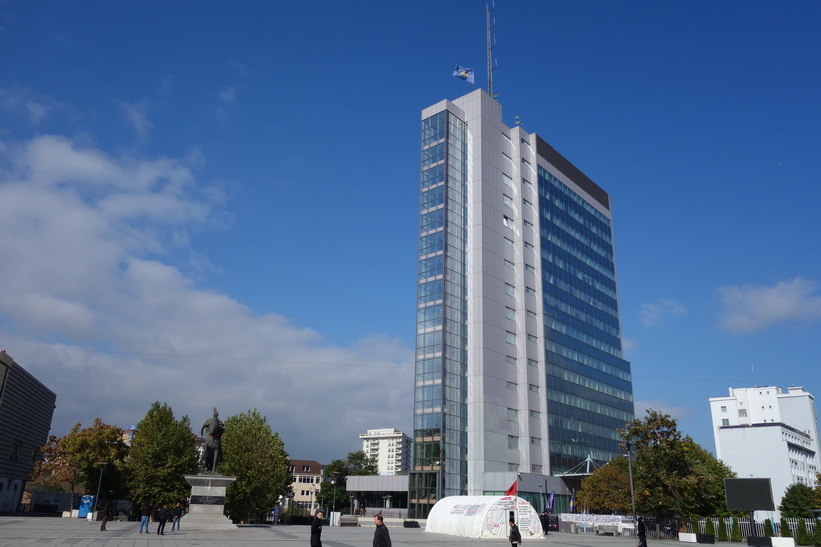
[16, 531]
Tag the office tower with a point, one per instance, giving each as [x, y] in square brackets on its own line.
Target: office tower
[519, 366]
[763, 432]
[390, 448]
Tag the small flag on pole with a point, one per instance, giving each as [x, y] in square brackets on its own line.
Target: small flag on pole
[463, 73]
[551, 501]
[513, 488]
[573, 502]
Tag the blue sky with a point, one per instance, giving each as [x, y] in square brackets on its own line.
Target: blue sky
[215, 204]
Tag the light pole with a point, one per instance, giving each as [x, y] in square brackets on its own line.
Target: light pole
[630, 473]
[333, 502]
[99, 483]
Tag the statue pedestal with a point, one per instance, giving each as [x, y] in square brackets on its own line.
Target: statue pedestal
[208, 503]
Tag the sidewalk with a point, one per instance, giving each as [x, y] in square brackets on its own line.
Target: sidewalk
[59, 532]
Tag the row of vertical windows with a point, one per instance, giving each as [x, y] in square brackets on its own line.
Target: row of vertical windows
[562, 306]
[590, 383]
[433, 176]
[574, 425]
[582, 336]
[556, 238]
[605, 270]
[587, 360]
[559, 185]
[579, 294]
[432, 155]
[585, 404]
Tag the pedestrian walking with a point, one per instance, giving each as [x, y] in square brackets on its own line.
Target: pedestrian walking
[642, 532]
[145, 516]
[176, 516]
[160, 516]
[316, 529]
[381, 537]
[515, 536]
[107, 509]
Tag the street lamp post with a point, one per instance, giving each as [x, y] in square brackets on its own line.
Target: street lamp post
[333, 502]
[99, 483]
[630, 473]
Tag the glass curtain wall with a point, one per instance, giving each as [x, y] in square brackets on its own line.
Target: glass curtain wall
[440, 393]
[589, 383]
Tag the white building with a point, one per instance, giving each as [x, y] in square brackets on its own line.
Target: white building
[390, 448]
[763, 432]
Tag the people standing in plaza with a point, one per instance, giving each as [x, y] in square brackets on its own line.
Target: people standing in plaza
[176, 516]
[642, 532]
[145, 515]
[515, 536]
[160, 517]
[316, 529]
[107, 510]
[381, 537]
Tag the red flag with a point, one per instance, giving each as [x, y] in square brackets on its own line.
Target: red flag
[513, 489]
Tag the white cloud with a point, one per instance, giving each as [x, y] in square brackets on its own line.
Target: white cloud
[228, 95]
[23, 102]
[655, 313]
[753, 308]
[88, 307]
[137, 116]
[37, 111]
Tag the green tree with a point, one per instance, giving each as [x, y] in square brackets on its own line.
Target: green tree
[817, 532]
[817, 491]
[53, 472]
[710, 527]
[798, 501]
[162, 453]
[722, 530]
[607, 489]
[785, 528]
[98, 453]
[256, 456]
[735, 530]
[674, 476]
[333, 490]
[802, 535]
[768, 528]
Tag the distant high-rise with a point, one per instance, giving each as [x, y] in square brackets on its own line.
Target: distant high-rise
[390, 448]
[519, 366]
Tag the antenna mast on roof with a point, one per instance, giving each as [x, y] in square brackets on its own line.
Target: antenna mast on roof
[491, 43]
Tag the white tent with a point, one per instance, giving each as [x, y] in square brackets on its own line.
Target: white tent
[483, 517]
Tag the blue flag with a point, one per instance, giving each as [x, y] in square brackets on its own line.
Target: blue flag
[463, 73]
[550, 501]
[573, 502]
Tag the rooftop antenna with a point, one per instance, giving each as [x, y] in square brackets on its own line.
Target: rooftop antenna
[491, 43]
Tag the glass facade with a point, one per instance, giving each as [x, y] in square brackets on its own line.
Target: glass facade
[589, 383]
[440, 411]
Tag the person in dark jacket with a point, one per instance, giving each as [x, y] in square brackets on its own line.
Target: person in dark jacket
[176, 516]
[381, 537]
[108, 508]
[161, 516]
[316, 529]
[515, 537]
[641, 530]
[145, 515]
